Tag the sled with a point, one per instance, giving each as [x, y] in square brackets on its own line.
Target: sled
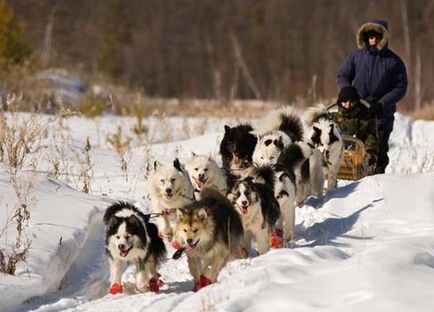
[354, 163]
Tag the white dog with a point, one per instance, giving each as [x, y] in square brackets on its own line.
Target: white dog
[170, 188]
[325, 134]
[204, 172]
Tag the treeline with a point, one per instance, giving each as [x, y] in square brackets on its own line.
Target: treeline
[267, 49]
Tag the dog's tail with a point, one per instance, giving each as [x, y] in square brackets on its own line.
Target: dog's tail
[315, 113]
[294, 155]
[284, 119]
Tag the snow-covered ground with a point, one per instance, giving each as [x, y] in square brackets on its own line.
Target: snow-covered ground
[366, 245]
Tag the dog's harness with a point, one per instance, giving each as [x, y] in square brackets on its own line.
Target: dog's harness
[142, 261]
[179, 252]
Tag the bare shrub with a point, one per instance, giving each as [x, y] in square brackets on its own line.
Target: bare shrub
[122, 146]
[425, 113]
[19, 138]
[12, 254]
[85, 164]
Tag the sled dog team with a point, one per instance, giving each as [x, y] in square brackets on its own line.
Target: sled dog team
[215, 212]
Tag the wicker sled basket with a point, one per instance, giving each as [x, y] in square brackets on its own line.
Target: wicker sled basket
[354, 164]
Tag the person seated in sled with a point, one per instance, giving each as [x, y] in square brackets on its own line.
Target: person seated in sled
[354, 119]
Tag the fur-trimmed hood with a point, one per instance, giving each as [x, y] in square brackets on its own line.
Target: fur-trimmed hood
[379, 26]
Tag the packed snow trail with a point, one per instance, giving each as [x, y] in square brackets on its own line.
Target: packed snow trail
[350, 254]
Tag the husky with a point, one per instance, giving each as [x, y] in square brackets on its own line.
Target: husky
[306, 163]
[285, 191]
[325, 135]
[259, 211]
[204, 172]
[170, 188]
[269, 147]
[131, 238]
[284, 119]
[282, 182]
[236, 148]
[210, 230]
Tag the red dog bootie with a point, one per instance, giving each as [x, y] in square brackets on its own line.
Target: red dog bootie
[154, 285]
[201, 283]
[276, 238]
[115, 289]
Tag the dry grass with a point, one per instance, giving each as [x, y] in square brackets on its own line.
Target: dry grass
[426, 112]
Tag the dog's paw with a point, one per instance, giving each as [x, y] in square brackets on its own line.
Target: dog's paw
[115, 289]
[141, 285]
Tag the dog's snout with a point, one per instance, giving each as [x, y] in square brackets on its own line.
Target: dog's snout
[168, 190]
[244, 203]
[201, 176]
[121, 247]
[190, 241]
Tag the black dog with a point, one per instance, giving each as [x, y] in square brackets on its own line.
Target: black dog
[237, 147]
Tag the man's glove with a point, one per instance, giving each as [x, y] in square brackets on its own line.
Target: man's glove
[375, 108]
[372, 158]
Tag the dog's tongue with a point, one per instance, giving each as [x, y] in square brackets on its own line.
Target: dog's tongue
[124, 253]
[244, 210]
[200, 183]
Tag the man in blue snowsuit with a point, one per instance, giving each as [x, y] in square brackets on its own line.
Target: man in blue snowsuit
[379, 76]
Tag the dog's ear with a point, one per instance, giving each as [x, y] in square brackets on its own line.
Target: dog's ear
[134, 220]
[193, 154]
[227, 128]
[202, 214]
[208, 155]
[157, 164]
[177, 164]
[113, 221]
[180, 214]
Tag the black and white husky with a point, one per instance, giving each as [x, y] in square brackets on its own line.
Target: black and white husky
[269, 147]
[170, 188]
[259, 211]
[131, 238]
[325, 135]
[278, 129]
[306, 163]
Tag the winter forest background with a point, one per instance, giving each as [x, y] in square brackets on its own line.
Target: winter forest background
[277, 50]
